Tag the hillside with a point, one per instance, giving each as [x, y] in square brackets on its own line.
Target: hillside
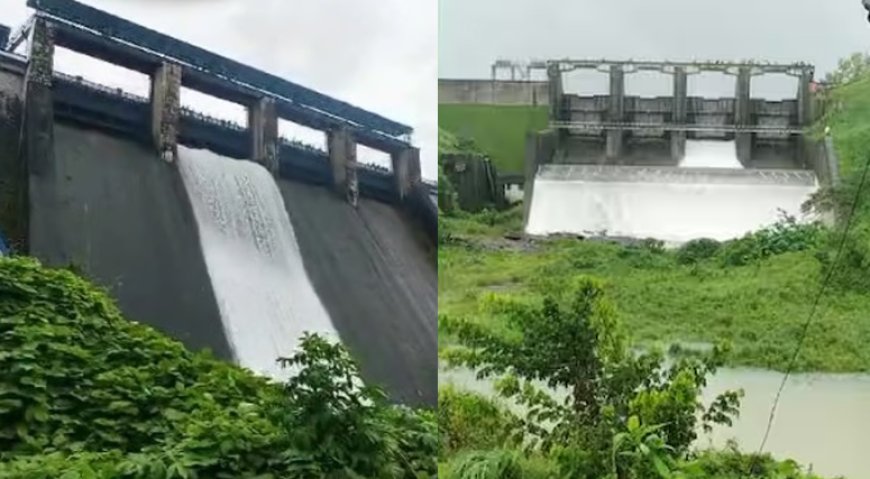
[500, 131]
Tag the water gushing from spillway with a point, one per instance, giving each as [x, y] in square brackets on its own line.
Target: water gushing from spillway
[708, 196]
[710, 154]
[263, 292]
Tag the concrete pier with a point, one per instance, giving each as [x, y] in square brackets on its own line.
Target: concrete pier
[554, 75]
[39, 117]
[743, 114]
[406, 169]
[805, 115]
[540, 148]
[678, 138]
[342, 157]
[166, 110]
[616, 110]
[263, 127]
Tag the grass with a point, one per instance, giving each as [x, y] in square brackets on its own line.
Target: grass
[759, 308]
[500, 131]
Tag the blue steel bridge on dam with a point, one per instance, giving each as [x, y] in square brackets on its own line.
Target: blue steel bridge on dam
[89, 175]
[113, 39]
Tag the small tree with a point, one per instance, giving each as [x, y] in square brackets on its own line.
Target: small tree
[854, 67]
[580, 348]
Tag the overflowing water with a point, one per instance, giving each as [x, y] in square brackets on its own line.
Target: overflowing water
[263, 292]
[710, 154]
[822, 420]
[707, 196]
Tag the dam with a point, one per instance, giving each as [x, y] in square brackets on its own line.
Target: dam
[675, 167]
[224, 236]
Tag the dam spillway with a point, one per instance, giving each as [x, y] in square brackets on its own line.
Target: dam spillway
[263, 293]
[673, 204]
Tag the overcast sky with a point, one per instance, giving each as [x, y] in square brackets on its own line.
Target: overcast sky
[378, 55]
[474, 33]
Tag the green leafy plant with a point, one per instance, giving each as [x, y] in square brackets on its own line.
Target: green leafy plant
[86, 393]
[580, 349]
[697, 250]
[785, 236]
[469, 421]
[640, 448]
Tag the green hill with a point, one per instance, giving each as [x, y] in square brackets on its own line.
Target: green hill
[500, 131]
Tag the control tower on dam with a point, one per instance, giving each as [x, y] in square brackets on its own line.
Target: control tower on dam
[620, 151]
[119, 186]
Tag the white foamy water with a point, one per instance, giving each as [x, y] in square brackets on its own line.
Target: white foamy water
[264, 295]
[703, 198]
[710, 154]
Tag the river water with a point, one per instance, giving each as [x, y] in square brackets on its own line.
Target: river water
[822, 420]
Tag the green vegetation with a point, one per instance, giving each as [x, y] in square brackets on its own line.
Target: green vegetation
[689, 295]
[510, 310]
[84, 393]
[623, 415]
[499, 131]
[755, 292]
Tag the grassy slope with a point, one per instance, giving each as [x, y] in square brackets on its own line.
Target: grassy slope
[759, 308]
[499, 130]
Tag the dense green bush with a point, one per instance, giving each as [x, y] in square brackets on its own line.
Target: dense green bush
[82, 390]
[468, 421]
[646, 254]
[697, 250]
[851, 270]
[784, 236]
[578, 346]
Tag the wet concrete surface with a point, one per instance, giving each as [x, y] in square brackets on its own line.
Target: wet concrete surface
[117, 212]
[376, 273]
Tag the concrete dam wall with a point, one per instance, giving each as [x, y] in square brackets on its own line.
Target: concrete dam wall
[123, 216]
[493, 92]
[674, 168]
[150, 201]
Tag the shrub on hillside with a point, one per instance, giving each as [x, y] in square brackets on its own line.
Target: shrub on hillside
[785, 236]
[469, 421]
[851, 270]
[697, 250]
[617, 402]
[645, 254]
[82, 386]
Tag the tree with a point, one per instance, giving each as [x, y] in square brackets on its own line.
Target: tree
[577, 346]
[852, 68]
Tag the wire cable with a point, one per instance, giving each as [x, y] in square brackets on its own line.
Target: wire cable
[816, 301]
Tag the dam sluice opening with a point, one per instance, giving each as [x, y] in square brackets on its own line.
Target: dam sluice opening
[264, 295]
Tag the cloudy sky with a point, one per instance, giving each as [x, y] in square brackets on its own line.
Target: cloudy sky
[380, 55]
[474, 33]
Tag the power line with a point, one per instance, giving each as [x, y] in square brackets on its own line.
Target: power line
[816, 302]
